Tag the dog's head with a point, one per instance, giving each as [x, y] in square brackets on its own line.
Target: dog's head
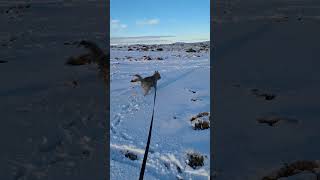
[157, 75]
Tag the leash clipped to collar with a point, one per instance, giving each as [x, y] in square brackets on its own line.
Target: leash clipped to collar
[145, 157]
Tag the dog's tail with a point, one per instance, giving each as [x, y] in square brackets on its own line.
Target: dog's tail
[139, 78]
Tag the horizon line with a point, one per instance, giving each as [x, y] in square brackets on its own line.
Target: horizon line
[135, 37]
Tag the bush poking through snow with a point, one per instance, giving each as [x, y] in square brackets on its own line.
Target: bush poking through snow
[146, 58]
[145, 48]
[200, 115]
[294, 168]
[201, 125]
[201, 121]
[130, 155]
[190, 50]
[195, 160]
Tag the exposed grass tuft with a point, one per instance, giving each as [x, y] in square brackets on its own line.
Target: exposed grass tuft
[190, 50]
[195, 160]
[130, 155]
[201, 121]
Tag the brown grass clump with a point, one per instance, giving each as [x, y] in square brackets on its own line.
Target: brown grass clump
[201, 125]
[294, 168]
[201, 121]
[195, 160]
[202, 114]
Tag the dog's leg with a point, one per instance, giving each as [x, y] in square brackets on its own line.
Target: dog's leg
[146, 90]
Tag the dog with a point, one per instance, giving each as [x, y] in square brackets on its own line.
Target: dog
[148, 82]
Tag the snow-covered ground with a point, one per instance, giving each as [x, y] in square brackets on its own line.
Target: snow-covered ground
[183, 92]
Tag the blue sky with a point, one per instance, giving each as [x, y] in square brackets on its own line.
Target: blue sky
[184, 19]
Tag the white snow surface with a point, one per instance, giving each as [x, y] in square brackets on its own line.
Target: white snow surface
[184, 76]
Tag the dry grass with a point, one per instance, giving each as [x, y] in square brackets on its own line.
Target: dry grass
[202, 114]
[201, 125]
[201, 121]
[195, 160]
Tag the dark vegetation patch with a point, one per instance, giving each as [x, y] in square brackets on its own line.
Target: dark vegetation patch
[145, 48]
[146, 58]
[195, 160]
[130, 155]
[190, 50]
[201, 125]
[200, 115]
[201, 121]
